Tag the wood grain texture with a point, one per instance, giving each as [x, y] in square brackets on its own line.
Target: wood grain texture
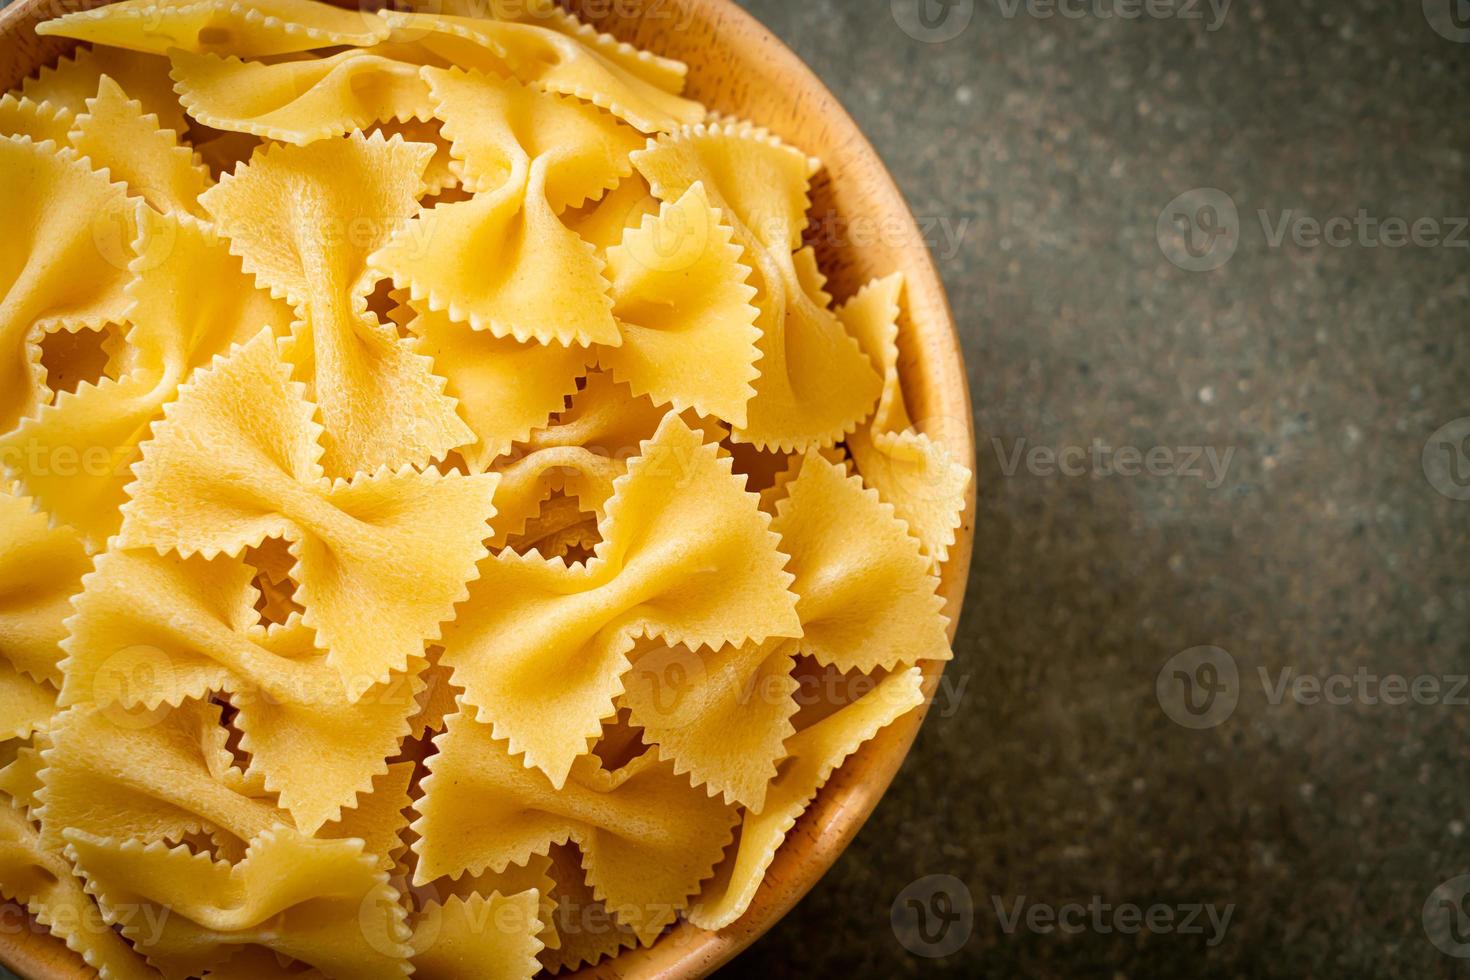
[739, 68]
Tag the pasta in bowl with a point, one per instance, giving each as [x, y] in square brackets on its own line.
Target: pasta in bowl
[439, 472]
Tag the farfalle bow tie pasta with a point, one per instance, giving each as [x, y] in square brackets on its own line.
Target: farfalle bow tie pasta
[434, 475]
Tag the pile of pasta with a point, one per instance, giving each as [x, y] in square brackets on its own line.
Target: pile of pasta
[434, 472]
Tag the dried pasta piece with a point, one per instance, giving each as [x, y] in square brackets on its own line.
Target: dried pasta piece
[322, 902]
[146, 775]
[908, 468]
[380, 400]
[686, 556]
[439, 176]
[190, 301]
[497, 126]
[379, 818]
[763, 185]
[560, 63]
[721, 716]
[561, 529]
[529, 156]
[41, 567]
[505, 388]
[74, 79]
[41, 880]
[300, 102]
[55, 269]
[649, 838]
[867, 597]
[20, 780]
[196, 620]
[604, 222]
[381, 560]
[682, 302]
[116, 133]
[437, 700]
[494, 936]
[587, 931]
[326, 755]
[535, 873]
[260, 27]
[582, 454]
[667, 74]
[26, 704]
[815, 383]
[815, 753]
[20, 116]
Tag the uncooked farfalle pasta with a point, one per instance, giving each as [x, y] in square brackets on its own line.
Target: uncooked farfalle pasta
[434, 473]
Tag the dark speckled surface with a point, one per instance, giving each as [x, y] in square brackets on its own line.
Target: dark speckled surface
[1320, 371]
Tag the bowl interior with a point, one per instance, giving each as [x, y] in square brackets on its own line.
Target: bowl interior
[738, 68]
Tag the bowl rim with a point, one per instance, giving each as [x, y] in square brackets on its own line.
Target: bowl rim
[936, 388]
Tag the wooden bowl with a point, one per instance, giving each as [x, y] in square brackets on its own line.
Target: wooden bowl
[736, 67]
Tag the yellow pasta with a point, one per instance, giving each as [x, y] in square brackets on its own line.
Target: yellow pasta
[259, 27]
[41, 880]
[683, 306]
[440, 175]
[815, 383]
[60, 217]
[304, 219]
[40, 121]
[505, 388]
[648, 836]
[342, 533]
[868, 600]
[20, 780]
[193, 626]
[300, 102]
[67, 85]
[432, 463]
[380, 816]
[815, 753]
[436, 701]
[642, 93]
[322, 902]
[722, 716]
[41, 567]
[190, 302]
[116, 134]
[581, 455]
[459, 937]
[158, 775]
[587, 931]
[909, 469]
[686, 556]
[529, 156]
